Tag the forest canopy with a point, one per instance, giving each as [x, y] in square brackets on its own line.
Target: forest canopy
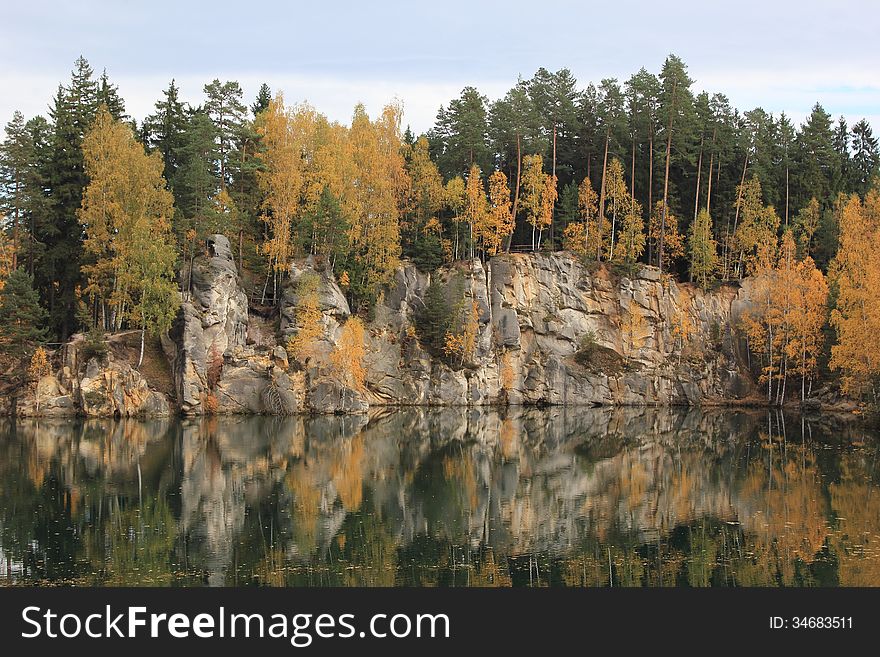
[102, 211]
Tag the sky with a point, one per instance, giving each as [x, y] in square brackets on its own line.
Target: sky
[782, 56]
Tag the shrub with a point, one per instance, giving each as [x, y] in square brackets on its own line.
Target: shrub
[586, 348]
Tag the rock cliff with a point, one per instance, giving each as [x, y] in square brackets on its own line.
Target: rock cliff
[549, 331]
[545, 328]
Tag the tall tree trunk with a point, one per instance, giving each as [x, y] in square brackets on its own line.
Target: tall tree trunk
[15, 220]
[143, 332]
[553, 210]
[742, 182]
[650, 194]
[786, 195]
[666, 179]
[516, 193]
[602, 198]
[632, 177]
[709, 190]
[699, 174]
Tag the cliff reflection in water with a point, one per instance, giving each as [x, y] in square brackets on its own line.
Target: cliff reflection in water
[627, 497]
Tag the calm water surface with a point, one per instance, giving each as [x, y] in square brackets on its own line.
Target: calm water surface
[449, 497]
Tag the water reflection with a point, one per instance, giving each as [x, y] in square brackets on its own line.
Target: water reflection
[582, 497]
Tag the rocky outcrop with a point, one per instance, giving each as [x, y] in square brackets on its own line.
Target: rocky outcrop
[92, 386]
[550, 331]
[544, 328]
[212, 323]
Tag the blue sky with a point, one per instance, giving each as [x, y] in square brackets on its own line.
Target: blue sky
[779, 55]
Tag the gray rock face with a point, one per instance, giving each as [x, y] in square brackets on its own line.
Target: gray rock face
[547, 330]
[94, 388]
[651, 340]
[212, 323]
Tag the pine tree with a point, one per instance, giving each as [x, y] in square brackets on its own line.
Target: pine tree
[261, 102]
[165, 130]
[227, 112]
[866, 156]
[22, 318]
[57, 274]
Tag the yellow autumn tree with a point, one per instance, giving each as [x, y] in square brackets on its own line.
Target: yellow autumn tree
[455, 199]
[425, 193]
[808, 315]
[673, 240]
[855, 271]
[126, 216]
[758, 226]
[616, 201]
[348, 355]
[379, 189]
[302, 345]
[631, 242]
[281, 180]
[498, 223]
[536, 195]
[475, 207]
[6, 256]
[577, 236]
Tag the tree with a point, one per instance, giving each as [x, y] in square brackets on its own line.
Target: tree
[476, 207]
[702, 250]
[855, 273]
[348, 355]
[578, 235]
[376, 153]
[808, 315]
[631, 241]
[866, 156]
[281, 181]
[165, 131]
[7, 258]
[126, 216]
[617, 197]
[498, 223]
[537, 195]
[455, 199]
[460, 136]
[676, 102]
[224, 107]
[261, 102]
[806, 224]
[309, 319]
[756, 235]
[663, 231]
[57, 273]
[195, 181]
[22, 318]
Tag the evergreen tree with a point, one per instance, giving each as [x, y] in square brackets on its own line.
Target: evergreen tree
[460, 137]
[224, 107]
[866, 157]
[165, 130]
[195, 183]
[22, 318]
[57, 274]
[261, 102]
[108, 95]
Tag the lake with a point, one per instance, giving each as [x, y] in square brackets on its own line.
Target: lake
[565, 496]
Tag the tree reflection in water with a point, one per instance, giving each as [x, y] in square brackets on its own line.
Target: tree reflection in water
[443, 497]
